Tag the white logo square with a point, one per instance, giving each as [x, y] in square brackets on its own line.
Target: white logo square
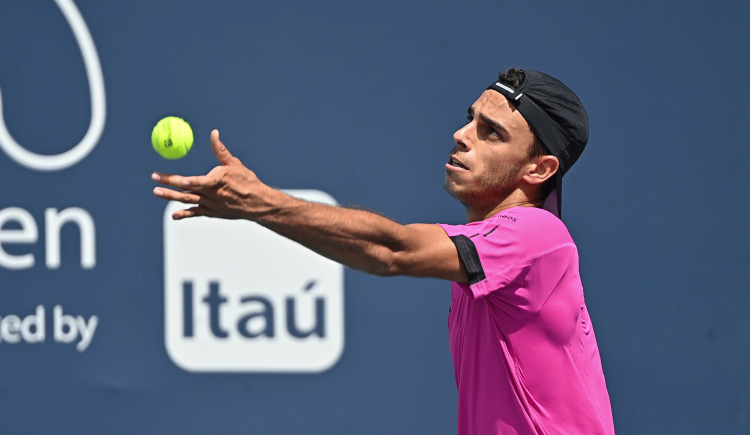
[240, 298]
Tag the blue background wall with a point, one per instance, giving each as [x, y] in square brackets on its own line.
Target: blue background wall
[360, 99]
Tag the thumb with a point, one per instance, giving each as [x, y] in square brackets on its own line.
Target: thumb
[220, 151]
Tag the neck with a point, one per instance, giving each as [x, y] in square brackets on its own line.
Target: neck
[517, 198]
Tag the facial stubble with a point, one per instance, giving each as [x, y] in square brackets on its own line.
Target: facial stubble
[491, 190]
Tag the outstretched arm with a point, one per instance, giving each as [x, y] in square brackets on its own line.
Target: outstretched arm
[356, 238]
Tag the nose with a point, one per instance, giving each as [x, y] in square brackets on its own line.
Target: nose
[462, 136]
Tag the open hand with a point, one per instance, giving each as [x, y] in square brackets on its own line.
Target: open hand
[229, 191]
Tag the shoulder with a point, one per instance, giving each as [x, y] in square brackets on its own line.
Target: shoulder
[532, 219]
[537, 229]
[497, 250]
[520, 232]
[525, 222]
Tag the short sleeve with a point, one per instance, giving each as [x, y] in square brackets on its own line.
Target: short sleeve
[518, 256]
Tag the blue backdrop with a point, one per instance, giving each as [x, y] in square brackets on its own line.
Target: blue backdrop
[360, 100]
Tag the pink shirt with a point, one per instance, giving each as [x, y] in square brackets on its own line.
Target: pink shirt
[523, 348]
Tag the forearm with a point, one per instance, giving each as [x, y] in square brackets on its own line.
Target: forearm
[359, 239]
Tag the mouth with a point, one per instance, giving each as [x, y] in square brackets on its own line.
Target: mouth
[453, 163]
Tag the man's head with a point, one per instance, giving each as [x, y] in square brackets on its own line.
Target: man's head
[523, 133]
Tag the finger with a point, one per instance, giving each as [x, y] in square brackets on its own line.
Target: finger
[170, 179]
[201, 182]
[190, 212]
[174, 195]
[220, 150]
[187, 183]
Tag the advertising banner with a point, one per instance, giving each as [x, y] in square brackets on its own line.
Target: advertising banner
[117, 319]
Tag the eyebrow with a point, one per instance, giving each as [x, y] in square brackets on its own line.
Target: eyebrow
[489, 121]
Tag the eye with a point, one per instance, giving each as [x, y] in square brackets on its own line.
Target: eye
[469, 118]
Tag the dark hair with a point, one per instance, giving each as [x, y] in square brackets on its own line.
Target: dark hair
[515, 77]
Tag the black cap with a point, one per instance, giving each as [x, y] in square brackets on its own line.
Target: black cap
[557, 118]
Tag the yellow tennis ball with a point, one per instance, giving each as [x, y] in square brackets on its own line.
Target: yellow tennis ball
[172, 137]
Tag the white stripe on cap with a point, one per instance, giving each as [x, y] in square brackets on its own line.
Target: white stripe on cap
[511, 90]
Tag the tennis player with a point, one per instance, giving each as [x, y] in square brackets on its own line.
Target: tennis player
[524, 351]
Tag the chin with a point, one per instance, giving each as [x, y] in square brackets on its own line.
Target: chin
[449, 186]
[455, 193]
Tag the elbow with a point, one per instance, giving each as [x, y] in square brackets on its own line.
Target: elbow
[384, 271]
[388, 265]
[380, 262]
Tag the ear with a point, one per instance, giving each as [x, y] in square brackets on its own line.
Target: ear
[541, 169]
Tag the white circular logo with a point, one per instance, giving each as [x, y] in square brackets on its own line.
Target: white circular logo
[98, 105]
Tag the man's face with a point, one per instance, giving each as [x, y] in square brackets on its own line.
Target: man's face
[490, 152]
